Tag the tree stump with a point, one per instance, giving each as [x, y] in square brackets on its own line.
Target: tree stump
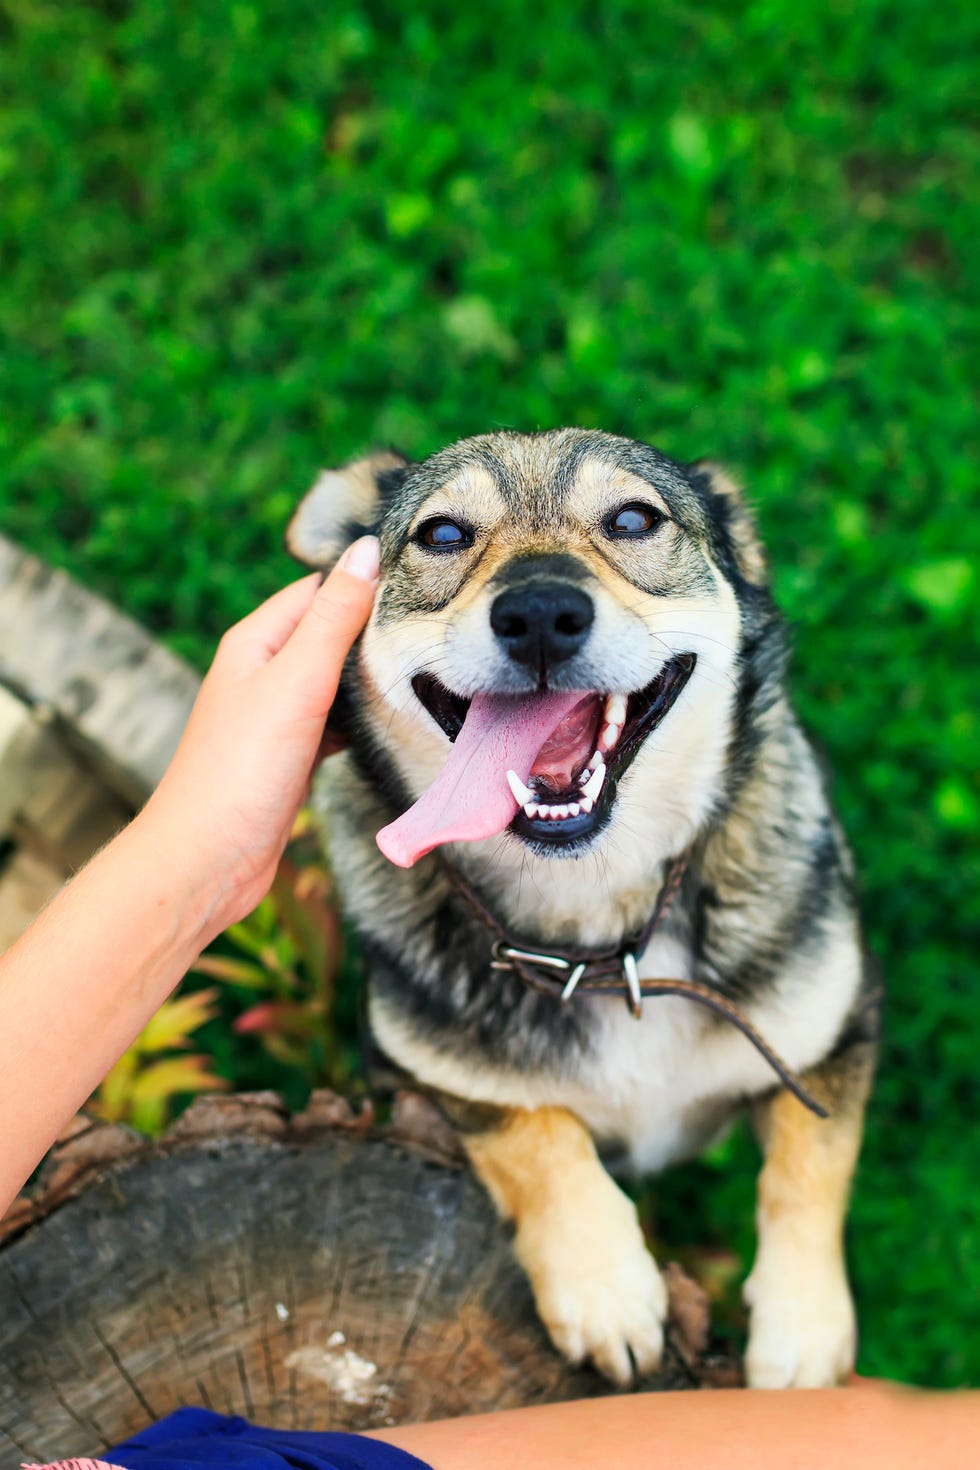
[310, 1272]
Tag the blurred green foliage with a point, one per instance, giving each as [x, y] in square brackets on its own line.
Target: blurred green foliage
[242, 240]
[289, 984]
[155, 1071]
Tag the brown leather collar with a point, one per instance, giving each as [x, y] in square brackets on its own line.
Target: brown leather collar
[563, 973]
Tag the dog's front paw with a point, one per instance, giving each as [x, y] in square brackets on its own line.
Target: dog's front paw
[802, 1332]
[597, 1288]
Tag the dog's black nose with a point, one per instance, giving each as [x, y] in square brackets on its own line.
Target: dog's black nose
[543, 622]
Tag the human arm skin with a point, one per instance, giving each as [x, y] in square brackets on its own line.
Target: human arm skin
[870, 1425]
[83, 981]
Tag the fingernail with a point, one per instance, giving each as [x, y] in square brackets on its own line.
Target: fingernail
[363, 559]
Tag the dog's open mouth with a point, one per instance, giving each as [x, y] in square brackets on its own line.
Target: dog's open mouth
[544, 765]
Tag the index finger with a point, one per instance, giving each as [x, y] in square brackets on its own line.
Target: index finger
[262, 633]
[325, 634]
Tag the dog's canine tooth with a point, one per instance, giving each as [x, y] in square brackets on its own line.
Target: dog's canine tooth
[594, 784]
[609, 737]
[585, 803]
[522, 794]
[616, 709]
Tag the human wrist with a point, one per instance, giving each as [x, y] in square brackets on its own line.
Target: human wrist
[184, 876]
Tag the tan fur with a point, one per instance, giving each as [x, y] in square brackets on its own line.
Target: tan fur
[597, 1288]
[474, 495]
[802, 1314]
[510, 1159]
[597, 484]
[315, 535]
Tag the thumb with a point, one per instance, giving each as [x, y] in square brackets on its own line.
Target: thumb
[324, 635]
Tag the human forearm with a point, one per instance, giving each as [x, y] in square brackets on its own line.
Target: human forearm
[833, 1429]
[85, 979]
[88, 975]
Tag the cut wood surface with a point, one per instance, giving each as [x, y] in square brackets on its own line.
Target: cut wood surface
[311, 1272]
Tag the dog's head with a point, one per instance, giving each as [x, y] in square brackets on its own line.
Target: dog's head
[555, 647]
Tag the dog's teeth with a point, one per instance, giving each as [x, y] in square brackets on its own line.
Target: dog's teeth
[586, 803]
[616, 709]
[615, 719]
[593, 785]
[572, 808]
[522, 794]
[561, 811]
[531, 809]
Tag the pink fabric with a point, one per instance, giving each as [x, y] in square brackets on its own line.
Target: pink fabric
[73, 1465]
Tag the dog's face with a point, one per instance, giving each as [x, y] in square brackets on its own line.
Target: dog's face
[554, 649]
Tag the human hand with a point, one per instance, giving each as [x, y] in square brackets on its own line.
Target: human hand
[223, 812]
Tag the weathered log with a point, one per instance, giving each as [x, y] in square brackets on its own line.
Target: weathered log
[91, 709]
[314, 1272]
[119, 696]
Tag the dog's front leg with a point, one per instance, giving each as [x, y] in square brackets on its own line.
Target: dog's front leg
[597, 1288]
[802, 1332]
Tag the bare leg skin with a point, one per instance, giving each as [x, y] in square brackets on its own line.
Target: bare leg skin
[802, 1329]
[597, 1288]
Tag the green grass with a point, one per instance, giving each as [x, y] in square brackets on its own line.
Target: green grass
[239, 241]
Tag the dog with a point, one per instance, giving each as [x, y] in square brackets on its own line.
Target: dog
[567, 714]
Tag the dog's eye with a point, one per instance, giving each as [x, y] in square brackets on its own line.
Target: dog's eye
[634, 519]
[442, 534]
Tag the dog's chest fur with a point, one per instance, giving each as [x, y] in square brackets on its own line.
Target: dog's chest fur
[656, 1089]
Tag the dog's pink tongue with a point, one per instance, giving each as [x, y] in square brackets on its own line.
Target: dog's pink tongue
[470, 798]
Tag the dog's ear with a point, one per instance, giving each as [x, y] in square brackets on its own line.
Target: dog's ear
[727, 506]
[342, 505]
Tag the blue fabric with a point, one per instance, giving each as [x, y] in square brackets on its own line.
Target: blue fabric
[192, 1438]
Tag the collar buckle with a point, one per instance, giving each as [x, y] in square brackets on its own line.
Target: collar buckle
[509, 957]
[505, 955]
[631, 976]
